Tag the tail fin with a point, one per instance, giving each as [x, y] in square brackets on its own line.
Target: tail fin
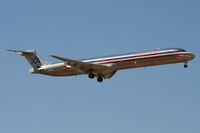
[32, 58]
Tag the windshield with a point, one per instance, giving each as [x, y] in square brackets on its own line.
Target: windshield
[181, 50]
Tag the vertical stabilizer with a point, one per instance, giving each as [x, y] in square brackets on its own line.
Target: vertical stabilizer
[32, 58]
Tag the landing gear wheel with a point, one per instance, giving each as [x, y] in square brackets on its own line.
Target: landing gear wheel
[185, 66]
[91, 76]
[100, 79]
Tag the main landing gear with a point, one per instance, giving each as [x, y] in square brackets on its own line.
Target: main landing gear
[91, 76]
[99, 78]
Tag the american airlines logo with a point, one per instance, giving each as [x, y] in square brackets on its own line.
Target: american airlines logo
[35, 60]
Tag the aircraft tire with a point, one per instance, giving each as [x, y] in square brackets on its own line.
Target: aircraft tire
[91, 76]
[99, 79]
[185, 66]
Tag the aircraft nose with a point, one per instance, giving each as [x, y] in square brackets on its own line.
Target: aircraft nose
[192, 56]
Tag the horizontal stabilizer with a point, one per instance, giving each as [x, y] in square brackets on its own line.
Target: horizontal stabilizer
[22, 52]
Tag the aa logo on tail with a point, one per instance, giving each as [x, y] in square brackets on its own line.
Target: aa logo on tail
[35, 60]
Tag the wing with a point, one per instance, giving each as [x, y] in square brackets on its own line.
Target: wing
[97, 69]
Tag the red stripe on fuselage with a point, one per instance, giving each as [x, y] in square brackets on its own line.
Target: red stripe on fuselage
[140, 58]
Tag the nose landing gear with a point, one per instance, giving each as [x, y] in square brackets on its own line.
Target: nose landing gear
[185, 65]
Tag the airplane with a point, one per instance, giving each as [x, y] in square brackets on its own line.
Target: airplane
[104, 67]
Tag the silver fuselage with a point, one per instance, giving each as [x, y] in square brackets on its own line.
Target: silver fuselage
[123, 61]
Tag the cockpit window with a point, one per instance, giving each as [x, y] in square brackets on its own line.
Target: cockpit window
[181, 50]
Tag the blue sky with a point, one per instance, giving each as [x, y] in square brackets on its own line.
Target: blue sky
[154, 99]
